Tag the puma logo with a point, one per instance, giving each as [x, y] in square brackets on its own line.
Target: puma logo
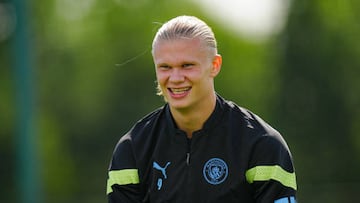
[162, 169]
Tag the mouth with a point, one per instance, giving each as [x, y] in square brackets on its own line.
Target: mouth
[179, 92]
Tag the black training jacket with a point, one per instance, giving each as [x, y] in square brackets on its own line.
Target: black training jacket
[236, 157]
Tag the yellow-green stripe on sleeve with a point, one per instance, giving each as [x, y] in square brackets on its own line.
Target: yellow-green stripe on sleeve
[265, 173]
[122, 177]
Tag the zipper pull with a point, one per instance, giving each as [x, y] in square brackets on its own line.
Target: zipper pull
[188, 158]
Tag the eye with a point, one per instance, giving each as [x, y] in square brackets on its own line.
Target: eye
[186, 65]
[164, 66]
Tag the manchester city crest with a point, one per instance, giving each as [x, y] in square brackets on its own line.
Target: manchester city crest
[215, 171]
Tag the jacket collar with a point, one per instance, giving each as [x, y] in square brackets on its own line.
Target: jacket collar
[209, 124]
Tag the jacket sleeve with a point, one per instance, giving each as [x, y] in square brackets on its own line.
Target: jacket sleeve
[123, 177]
[271, 172]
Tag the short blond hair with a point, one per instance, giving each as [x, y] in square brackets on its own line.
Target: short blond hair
[189, 27]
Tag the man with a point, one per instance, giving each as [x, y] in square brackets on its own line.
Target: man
[198, 147]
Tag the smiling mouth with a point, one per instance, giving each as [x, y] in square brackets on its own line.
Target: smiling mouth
[179, 91]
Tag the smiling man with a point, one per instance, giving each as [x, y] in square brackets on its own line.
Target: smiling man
[185, 70]
[198, 147]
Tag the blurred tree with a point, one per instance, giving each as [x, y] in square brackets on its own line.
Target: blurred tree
[319, 98]
[7, 122]
[96, 77]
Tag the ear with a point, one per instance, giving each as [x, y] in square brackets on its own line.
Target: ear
[216, 65]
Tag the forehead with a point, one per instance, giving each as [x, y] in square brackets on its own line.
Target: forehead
[165, 51]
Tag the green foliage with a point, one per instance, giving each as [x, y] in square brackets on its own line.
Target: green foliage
[94, 78]
[318, 103]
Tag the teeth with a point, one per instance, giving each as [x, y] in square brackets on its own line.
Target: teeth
[179, 90]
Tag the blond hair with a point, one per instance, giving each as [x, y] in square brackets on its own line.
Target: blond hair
[188, 27]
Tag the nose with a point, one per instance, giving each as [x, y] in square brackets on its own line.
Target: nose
[176, 76]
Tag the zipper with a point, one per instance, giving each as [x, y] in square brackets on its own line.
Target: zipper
[188, 188]
[188, 158]
[188, 152]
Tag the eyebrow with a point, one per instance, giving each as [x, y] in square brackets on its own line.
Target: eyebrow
[177, 64]
[162, 64]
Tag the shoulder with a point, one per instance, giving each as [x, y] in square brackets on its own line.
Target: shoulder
[256, 132]
[248, 119]
[266, 145]
[149, 120]
[145, 124]
[139, 133]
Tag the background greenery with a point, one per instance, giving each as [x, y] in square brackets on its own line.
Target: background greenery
[93, 77]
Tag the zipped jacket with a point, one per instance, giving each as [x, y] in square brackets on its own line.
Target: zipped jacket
[235, 157]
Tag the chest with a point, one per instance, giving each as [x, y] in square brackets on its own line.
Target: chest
[205, 169]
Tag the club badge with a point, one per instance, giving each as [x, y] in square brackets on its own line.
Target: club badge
[215, 171]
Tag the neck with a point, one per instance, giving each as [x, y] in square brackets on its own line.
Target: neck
[193, 119]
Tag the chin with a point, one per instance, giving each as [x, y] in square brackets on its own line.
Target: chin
[179, 105]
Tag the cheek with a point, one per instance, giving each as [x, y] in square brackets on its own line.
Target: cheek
[161, 77]
[200, 75]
